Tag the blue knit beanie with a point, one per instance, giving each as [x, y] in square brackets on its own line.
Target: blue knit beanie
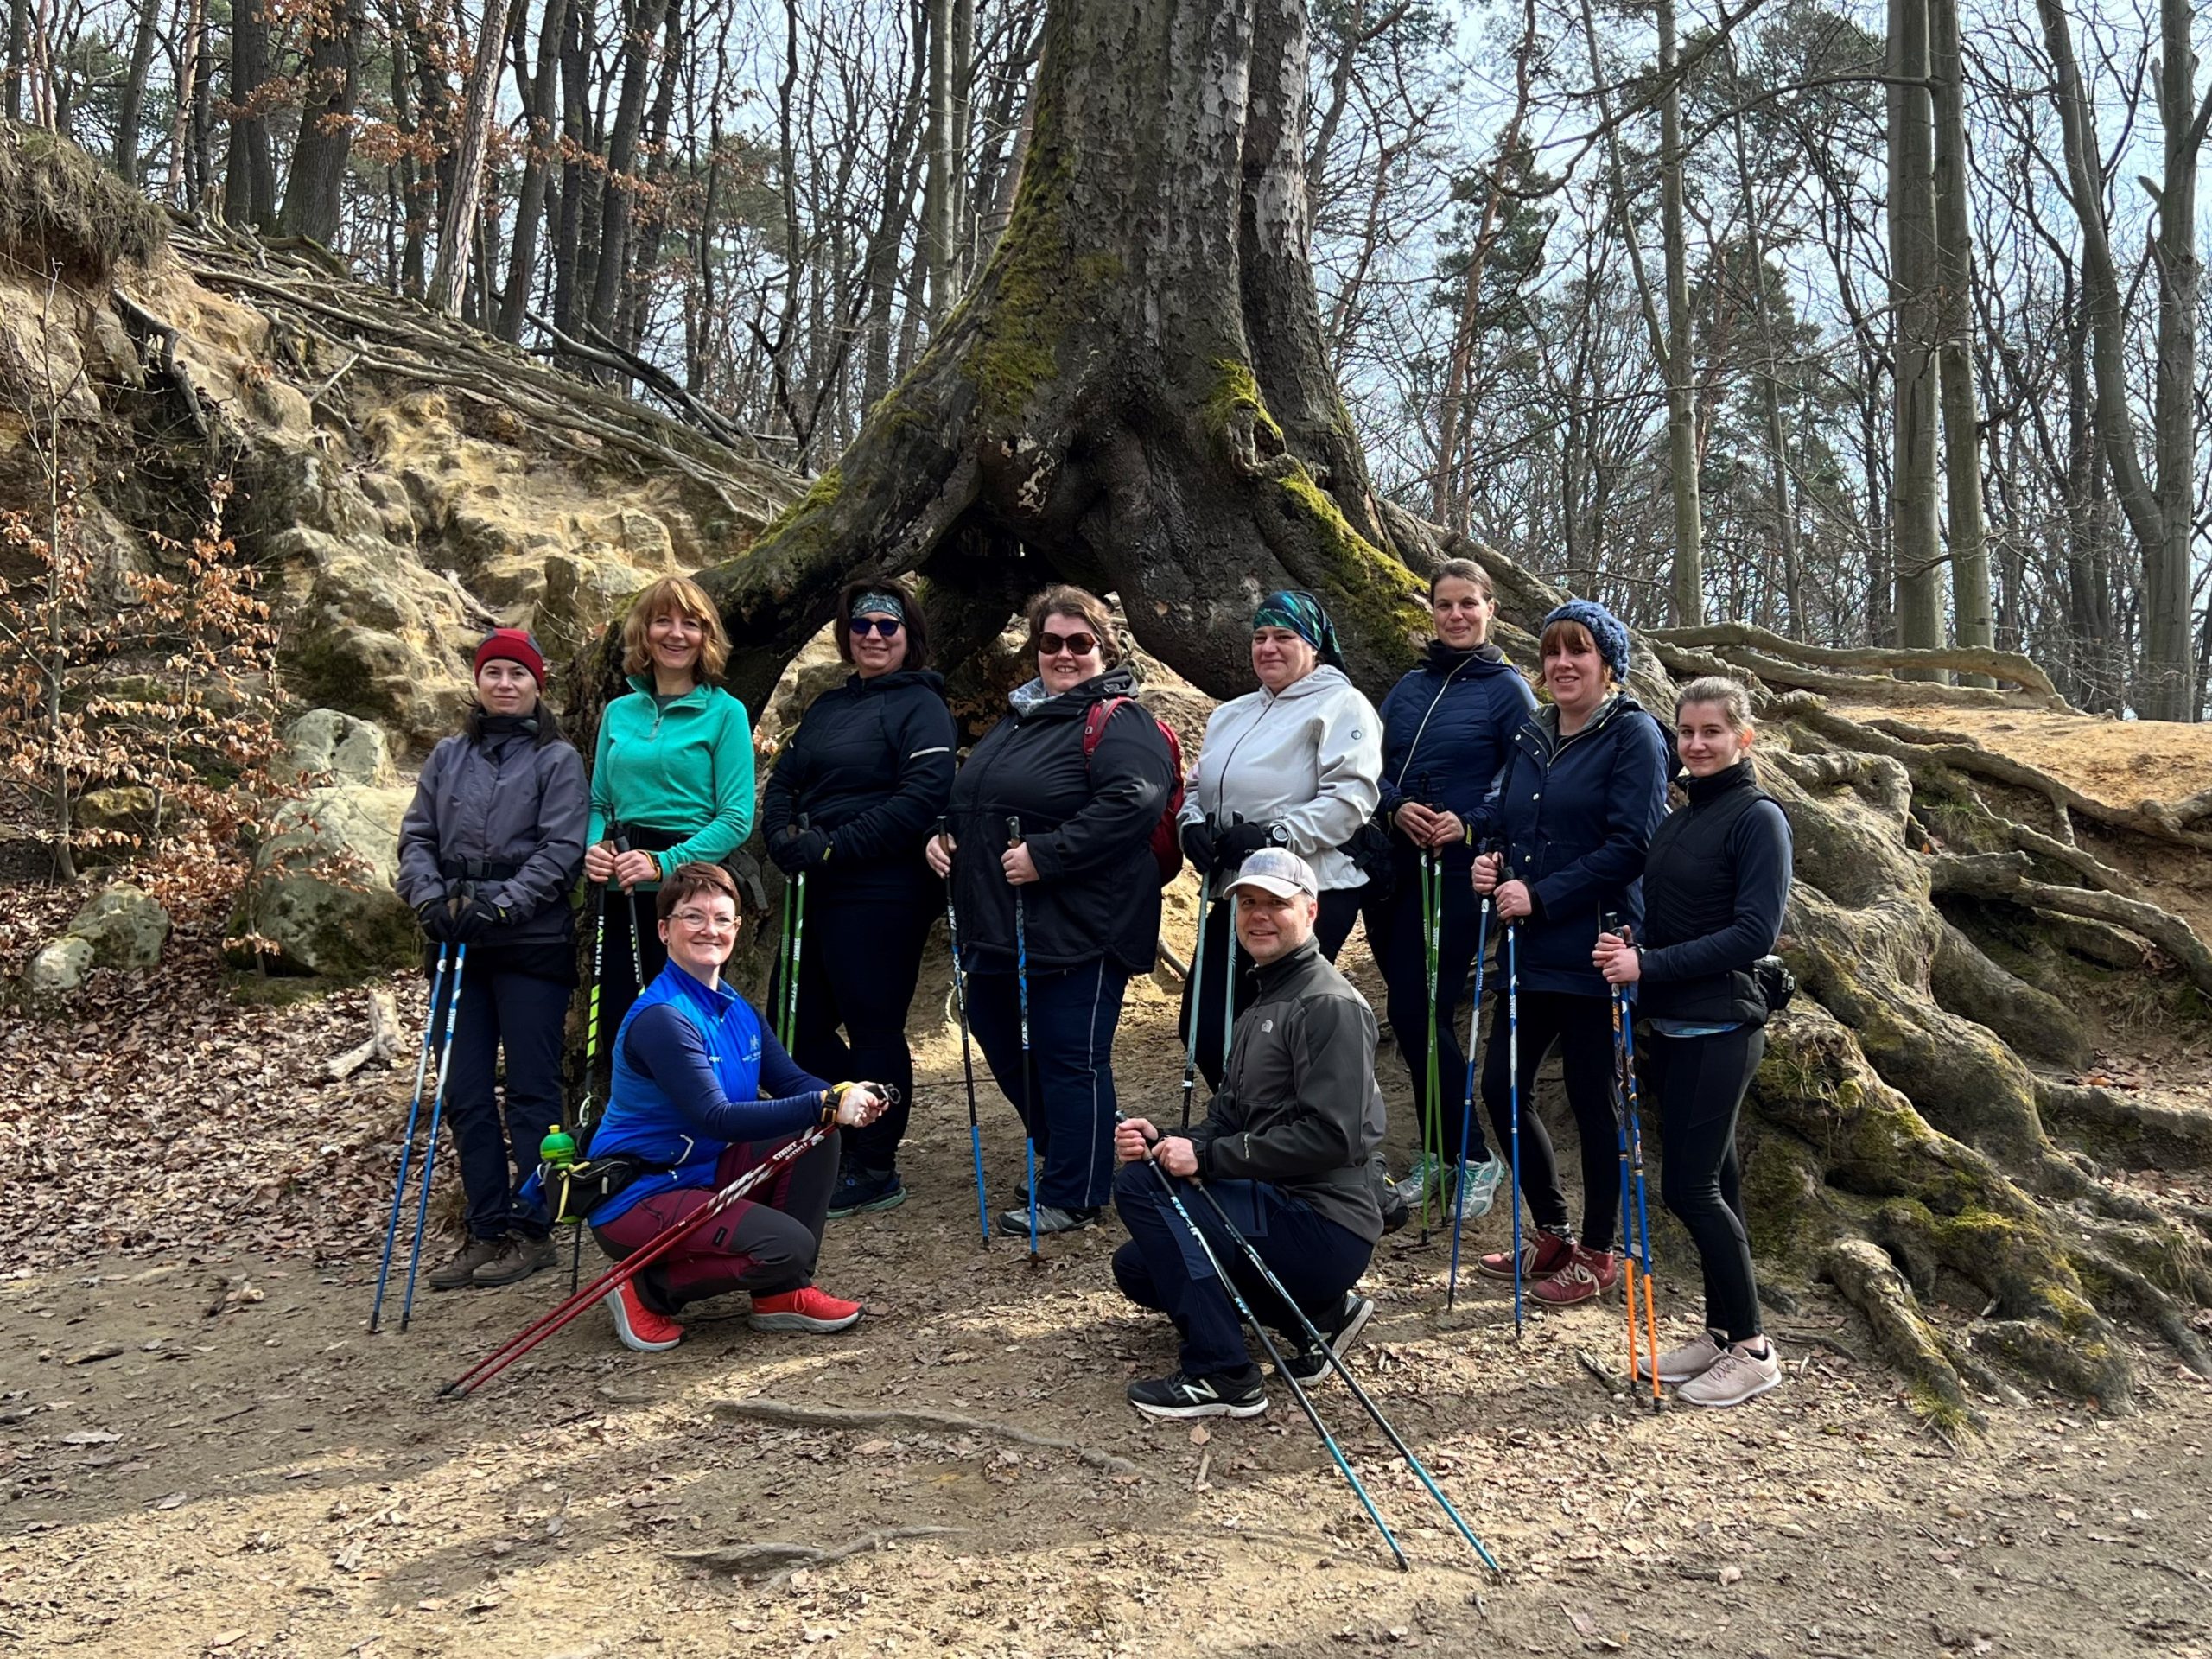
[1605, 627]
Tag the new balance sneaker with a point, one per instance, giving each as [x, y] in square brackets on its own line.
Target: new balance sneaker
[1051, 1218]
[638, 1325]
[860, 1190]
[803, 1310]
[1680, 1364]
[518, 1258]
[1584, 1275]
[1231, 1393]
[1540, 1253]
[1738, 1375]
[461, 1270]
[1340, 1330]
[1478, 1184]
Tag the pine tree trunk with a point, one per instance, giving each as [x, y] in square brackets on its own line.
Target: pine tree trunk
[313, 195]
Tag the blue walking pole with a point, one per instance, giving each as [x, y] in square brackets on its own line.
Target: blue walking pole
[430, 1148]
[1197, 972]
[1635, 1165]
[1028, 1092]
[1467, 1115]
[967, 1057]
[1282, 1370]
[407, 1147]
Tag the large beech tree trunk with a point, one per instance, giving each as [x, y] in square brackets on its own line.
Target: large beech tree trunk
[1134, 396]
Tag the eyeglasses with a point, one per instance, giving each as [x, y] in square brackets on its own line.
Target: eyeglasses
[1075, 645]
[885, 625]
[706, 920]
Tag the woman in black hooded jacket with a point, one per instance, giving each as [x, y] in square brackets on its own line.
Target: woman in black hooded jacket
[853, 795]
[1088, 887]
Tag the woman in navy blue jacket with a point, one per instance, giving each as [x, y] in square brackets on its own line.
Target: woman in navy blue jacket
[1447, 728]
[692, 1065]
[1574, 812]
[868, 769]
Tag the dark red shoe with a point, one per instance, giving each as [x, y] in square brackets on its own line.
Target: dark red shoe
[1585, 1276]
[803, 1310]
[1540, 1253]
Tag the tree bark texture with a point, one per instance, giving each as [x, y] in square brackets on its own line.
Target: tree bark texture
[1973, 622]
[250, 183]
[1134, 395]
[1686, 592]
[313, 193]
[449, 275]
[1913, 305]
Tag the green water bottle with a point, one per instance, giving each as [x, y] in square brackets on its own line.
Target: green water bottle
[558, 1150]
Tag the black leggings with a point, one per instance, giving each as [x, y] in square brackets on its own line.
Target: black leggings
[1698, 1084]
[1394, 935]
[1339, 910]
[1583, 1027]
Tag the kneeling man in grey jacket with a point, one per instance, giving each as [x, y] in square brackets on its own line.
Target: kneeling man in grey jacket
[1284, 1148]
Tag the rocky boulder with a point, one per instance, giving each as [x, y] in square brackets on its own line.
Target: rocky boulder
[60, 968]
[351, 750]
[319, 899]
[124, 926]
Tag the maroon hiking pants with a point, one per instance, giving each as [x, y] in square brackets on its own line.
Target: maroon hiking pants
[766, 1243]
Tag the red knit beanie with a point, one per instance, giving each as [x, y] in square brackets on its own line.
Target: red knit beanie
[517, 647]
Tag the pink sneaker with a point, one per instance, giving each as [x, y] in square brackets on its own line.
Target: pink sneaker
[1540, 1253]
[638, 1325]
[1584, 1275]
[803, 1310]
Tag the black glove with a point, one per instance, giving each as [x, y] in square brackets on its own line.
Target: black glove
[796, 850]
[437, 918]
[1232, 846]
[477, 918]
[1197, 847]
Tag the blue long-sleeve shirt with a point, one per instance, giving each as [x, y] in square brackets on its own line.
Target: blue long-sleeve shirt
[696, 1070]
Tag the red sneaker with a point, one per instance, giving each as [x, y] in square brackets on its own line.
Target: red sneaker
[1540, 1253]
[1586, 1274]
[638, 1325]
[803, 1310]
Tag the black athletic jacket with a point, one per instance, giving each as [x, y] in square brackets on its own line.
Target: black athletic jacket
[1298, 1107]
[1715, 883]
[1087, 823]
[871, 763]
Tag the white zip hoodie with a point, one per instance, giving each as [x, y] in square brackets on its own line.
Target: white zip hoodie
[1308, 757]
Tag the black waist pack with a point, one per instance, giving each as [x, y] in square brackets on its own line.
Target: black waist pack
[574, 1190]
[1777, 983]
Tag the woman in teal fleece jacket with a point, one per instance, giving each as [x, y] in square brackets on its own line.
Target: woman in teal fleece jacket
[671, 781]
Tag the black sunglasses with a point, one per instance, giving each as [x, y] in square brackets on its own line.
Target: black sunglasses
[1080, 645]
[885, 625]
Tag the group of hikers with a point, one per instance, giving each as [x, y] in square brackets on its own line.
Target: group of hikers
[1464, 801]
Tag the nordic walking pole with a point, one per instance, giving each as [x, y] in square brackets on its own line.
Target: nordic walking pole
[794, 912]
[1513, 1086]
[1228, 976]
[407, 1147]
[628, 1269]
[1467, 1112]
[430, 1148]
[1198, 978]
[1432, 1128]
[1274, 1357]
[584, 1114]
[1627, 1017]
[1628, 1210]
[1336, 1363]
[967, 1055]
[1028, 1089]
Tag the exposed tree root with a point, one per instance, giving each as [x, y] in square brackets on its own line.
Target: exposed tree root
[776, 1562]
[779, 1411]
[2005, 875]
[2140, 1133]
[1746, 638]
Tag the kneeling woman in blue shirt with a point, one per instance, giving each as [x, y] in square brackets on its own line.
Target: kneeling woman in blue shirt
[702, 1093]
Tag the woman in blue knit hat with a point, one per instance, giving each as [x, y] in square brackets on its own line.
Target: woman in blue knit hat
[1574, 813]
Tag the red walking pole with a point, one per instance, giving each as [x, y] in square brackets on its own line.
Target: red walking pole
[623, 1271]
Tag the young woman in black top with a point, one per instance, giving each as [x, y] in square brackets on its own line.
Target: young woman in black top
[869, 768]
[1716, 881]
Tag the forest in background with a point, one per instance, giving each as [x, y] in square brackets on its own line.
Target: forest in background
[1625, 293]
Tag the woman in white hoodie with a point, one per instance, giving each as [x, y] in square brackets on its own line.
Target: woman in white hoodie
[1297, 764]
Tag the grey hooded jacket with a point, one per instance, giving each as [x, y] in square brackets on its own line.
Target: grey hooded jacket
[1299, 1107]
[507, 800]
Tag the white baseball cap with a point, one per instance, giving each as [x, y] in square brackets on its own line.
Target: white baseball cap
[1279, 871]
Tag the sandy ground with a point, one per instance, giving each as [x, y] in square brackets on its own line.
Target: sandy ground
[206, 1453]
[2120, 762]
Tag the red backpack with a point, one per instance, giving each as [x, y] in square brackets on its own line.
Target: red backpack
[1166, 835]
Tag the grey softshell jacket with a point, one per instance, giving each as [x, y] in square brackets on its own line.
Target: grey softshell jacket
[506, 799]
[1299, 1107]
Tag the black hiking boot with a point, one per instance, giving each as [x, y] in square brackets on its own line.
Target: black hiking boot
[1339, 1329]
[860, 1190]
[461, 1270]
[1231, 1393]
[1050, 1219]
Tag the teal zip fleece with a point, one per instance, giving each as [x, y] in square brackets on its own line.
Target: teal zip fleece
[685, 770]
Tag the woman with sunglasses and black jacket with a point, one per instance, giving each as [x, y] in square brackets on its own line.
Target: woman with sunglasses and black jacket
[855, 793]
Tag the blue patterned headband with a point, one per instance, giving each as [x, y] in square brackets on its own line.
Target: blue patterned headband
[877, 604]
[1303, 615]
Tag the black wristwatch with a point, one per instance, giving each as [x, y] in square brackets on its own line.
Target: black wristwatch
[1279, 835]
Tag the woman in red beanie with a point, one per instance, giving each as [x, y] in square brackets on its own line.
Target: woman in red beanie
[488, 854]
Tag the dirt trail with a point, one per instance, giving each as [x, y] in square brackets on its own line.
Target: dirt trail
[248, 1472]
